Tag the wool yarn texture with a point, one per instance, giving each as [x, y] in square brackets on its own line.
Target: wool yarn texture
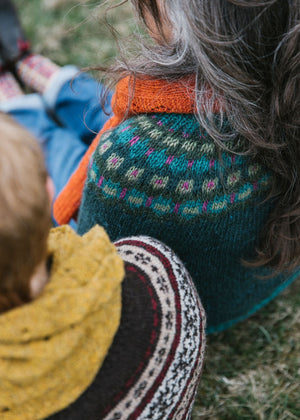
[158, 172]
[52, 348]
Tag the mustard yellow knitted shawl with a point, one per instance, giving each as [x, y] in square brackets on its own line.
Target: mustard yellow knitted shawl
[52, 348]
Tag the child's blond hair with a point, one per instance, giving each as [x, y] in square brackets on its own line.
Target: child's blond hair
[25, 217]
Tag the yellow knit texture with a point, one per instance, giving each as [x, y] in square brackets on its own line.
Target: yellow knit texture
[52, 348]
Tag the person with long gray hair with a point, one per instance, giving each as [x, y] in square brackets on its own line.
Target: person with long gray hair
[203, 151]
[89, 329]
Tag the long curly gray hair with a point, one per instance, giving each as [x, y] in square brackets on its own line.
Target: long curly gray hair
[248, 53]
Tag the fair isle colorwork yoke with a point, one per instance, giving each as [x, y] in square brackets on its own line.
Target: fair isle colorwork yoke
[161, 174]
[149, 96]
[166, 163]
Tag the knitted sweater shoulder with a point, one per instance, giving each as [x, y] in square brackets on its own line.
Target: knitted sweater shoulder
[161, 174]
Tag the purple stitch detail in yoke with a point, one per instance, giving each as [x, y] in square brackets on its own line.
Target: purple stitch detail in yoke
[149, 201]
[134, 140]
[191, 162]
[114, 161]
[126, 128]
[159, 182]
[255, 186]
[160, 123]
[176, 209]
[210, 185]
[148, 153]
[171, 130]
[123, 193]
[185, 135]
[134, 173]
[169, 160]
[205, 204]
[232, 198]
[211, 164]
[91, 163]
[100, 182]
[232, 159]
[185, 186]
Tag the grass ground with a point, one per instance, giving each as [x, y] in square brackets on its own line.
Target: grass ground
[252, 371]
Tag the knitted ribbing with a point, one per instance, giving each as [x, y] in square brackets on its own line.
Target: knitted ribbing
[9, 87]
[36, 71]
[162, 175]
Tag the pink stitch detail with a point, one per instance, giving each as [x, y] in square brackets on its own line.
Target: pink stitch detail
[149, 201]
[176, 209]
[159, 123]
[135, 173]
[232, 159]
[148, 153]
[123, 193]
[190, 164]
[185, 186]
[100, 182]
[255, 186]
[211, 163]
[205, 204]
[134, 140]
[170, 160]
[171, 130]
[159, 182]
[210, 185]
[126, 128]
[114, 161]
[185, 135]
[232, 198]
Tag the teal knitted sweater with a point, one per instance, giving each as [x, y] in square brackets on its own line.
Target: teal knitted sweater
[162, 175]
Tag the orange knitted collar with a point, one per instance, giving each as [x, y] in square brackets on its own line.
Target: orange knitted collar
[147, 96]
[154, 96]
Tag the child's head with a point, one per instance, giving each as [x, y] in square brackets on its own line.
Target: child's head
[25, 217]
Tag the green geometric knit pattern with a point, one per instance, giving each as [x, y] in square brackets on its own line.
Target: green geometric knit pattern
[165, 163]
[161, 175]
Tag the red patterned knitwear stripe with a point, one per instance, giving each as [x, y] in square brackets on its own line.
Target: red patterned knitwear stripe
[172, 277]
[154, 337]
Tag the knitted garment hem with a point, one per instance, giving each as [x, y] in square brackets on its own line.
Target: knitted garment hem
[257, 307]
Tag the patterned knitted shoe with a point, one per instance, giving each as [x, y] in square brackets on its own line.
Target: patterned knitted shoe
[13, 44]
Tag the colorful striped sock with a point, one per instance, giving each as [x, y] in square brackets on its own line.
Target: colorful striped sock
[9, 87]
[36, 71]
